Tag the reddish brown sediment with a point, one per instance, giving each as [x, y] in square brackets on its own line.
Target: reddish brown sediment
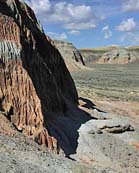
[34, 80]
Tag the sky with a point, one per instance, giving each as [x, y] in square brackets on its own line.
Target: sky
[89, 23]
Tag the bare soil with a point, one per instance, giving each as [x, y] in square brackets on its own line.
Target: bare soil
[113, 88]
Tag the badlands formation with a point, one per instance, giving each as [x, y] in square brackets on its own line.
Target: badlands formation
[44, 126]
[111, 55]
[71, 55]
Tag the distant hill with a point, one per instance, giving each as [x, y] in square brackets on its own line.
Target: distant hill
[71, 54]
[119, 56]
[107, 54]
[94, 54]
[133, 48]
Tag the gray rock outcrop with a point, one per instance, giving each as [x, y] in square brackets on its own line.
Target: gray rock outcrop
[71, 54]
[119, 56]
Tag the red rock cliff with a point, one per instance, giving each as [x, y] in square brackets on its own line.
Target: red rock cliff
[35, 85]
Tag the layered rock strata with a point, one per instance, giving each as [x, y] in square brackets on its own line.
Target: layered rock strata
[35, 85]
[71, 55]
[119, 56]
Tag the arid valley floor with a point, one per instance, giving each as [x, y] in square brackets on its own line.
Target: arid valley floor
[113, 88]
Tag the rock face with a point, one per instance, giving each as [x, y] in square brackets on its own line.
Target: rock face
[35, 85]
[89, 55]
[114, 146]
[71, 54]
[92, 55]
[119, 56]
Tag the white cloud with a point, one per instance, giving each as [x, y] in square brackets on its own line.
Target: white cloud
[130, 5]
[40, 6]
[107, 32]
[58, 36]
[69, 15]
[74, 32]
[127, 25]
[80, 26]
[131, 37]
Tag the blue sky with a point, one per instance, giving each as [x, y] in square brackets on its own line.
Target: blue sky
[90, 23]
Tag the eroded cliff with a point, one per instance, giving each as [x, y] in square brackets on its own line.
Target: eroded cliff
[119, 56]
[35, 85]
[71, 55]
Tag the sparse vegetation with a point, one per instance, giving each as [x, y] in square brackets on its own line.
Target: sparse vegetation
[115, 82]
